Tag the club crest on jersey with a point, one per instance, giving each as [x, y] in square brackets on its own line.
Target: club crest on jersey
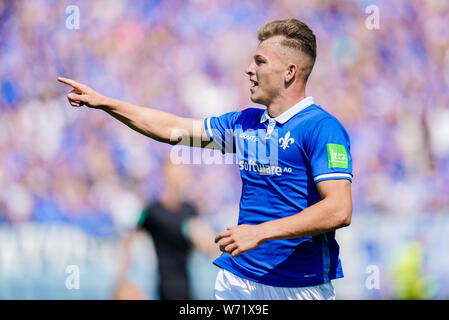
[285, 141]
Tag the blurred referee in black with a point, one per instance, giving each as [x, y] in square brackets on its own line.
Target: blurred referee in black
[176, 229]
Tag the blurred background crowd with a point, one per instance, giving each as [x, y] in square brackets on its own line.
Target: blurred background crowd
[81, 168]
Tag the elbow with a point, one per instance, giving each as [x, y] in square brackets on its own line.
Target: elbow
[344, 218]
[345, 222]
[176, 135]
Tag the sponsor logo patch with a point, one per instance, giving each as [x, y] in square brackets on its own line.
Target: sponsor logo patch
[337, 156]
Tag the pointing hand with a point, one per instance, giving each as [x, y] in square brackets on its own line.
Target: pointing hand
[82, 95]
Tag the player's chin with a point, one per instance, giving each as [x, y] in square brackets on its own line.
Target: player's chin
[254, 97]
[257, 98]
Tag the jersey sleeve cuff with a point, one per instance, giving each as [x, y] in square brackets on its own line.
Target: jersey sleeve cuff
[208, 129]
[333, 176]
[209, 132]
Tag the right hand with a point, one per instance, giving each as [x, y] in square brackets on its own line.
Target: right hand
[83, 95]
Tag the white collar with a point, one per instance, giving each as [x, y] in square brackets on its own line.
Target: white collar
[287, 114]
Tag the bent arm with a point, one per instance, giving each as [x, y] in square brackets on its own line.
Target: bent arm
[124, 254]
[202, 237]
[332, 212]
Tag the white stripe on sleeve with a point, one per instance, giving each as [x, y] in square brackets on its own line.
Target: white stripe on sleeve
[209, 131]
[333, 176]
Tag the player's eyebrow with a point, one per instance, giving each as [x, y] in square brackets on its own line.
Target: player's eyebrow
[259, 57]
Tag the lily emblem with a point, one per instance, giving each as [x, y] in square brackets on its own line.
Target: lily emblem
[286, 140]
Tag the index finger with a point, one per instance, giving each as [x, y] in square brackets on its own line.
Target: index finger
[70, 82]
[222, 235]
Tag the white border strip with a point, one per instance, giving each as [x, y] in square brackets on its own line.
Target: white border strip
[209, 131]
[211, 136]
[333, 175]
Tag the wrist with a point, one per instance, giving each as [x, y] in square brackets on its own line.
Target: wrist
[105, 103]
[264, 232]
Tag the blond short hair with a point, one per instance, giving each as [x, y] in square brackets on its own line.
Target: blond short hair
[297, 35]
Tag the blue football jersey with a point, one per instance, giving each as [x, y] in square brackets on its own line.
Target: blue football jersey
[280, 160]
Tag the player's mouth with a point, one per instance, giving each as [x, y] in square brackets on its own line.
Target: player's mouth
[254, 86]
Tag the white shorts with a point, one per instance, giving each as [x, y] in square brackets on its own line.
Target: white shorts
[228, 286]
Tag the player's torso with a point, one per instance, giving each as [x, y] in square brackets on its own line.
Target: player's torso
[277, 181]
[274, 167]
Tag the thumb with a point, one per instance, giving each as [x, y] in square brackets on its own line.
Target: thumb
[77, 97]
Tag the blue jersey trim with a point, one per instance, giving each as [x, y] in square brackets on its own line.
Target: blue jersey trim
[210, 134]
[207, 128]
[303, 282]
[333, 176]
[326, 258]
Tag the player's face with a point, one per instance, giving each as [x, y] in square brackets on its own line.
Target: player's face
[267, 72]
[176, 176]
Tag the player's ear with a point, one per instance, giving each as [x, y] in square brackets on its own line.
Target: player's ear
[290, 73]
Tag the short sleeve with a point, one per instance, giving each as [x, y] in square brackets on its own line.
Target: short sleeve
[221, 130]
[329, 150]
[142, 218]
[191, 214]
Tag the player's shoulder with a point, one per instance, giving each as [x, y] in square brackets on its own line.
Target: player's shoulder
[152, 208]
[242, 112]
[250, 113]
[189, 205]
[190, 208]
[241, 115]
[247, 117]
[315, 115]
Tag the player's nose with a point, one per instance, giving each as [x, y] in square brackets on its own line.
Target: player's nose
[250, 69]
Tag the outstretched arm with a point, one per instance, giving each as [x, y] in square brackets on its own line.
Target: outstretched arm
[158, 125]
[332, 212]
[202, 237]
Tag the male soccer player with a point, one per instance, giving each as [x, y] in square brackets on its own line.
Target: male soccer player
[296, 169]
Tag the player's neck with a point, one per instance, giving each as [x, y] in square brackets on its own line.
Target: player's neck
[283, 103]
[171, 199]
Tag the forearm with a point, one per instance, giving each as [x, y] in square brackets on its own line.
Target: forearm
[332, 212]
[124, 256]
[158, 125]
[322, 217]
